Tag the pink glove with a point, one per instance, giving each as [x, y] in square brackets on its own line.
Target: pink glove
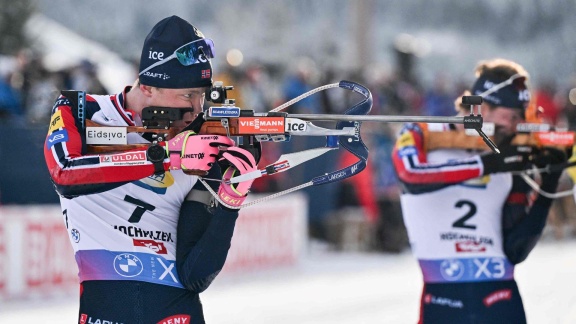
[241, 162]
[195, 154]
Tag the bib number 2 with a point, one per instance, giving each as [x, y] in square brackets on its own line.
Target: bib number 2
[470, 212]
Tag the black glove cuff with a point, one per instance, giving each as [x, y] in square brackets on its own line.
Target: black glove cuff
[550, 181]
[491, 163]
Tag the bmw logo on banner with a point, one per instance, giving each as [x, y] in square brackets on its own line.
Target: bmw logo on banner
[452, 269]
[128, 265]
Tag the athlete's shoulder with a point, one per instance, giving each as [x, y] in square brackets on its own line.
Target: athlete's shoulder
[411, 127]
[61, 101]
[65, 100]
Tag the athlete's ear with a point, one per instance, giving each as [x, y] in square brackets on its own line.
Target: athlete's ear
[146, 90]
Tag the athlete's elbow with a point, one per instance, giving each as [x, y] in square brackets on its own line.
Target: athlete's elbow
[62, 189]
[65, 191]
[518, 251]
[198, 285]
[406, 176]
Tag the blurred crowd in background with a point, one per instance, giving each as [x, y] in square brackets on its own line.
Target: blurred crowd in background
[362, 212]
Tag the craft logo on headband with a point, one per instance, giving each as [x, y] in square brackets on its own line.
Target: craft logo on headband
[511, 93]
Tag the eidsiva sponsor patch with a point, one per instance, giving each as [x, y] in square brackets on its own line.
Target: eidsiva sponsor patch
[56, 122]
[57, 137]
[124, 159]
[106, 135]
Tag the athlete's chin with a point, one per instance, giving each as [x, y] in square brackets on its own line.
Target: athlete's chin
[180, 125]
[502, 136]
[179, 129]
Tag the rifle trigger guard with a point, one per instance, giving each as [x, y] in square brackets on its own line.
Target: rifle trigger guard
[226, 126]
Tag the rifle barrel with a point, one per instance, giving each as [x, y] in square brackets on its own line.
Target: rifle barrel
[386, 119]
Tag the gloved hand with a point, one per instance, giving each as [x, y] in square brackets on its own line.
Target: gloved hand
[236, 161]
[549, 156]
[195, 154]
[511, 158]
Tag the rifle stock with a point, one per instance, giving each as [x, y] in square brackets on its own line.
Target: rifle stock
[214, 127]
[211, 127]
[458, 139]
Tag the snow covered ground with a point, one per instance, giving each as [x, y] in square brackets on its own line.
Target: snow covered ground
[329, 287]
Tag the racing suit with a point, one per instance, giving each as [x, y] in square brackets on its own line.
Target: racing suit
[146, 245]
[466, 228]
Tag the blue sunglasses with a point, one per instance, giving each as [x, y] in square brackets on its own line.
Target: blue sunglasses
[198, 51]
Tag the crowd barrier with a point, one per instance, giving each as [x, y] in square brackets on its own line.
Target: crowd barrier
[37, 260]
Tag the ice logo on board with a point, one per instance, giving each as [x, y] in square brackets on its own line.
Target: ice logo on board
[451, 269]
[128, 265]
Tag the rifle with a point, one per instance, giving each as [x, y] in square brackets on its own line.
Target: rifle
[276, 126]
[540, 136]
[531, 134]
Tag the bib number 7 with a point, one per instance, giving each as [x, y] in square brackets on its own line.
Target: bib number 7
[141, 208]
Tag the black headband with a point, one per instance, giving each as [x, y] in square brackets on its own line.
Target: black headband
[510, 93]
[168, 35]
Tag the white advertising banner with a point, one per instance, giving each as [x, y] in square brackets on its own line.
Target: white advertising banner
[268, 234]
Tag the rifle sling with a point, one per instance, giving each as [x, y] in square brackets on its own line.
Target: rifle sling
[78, 104]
